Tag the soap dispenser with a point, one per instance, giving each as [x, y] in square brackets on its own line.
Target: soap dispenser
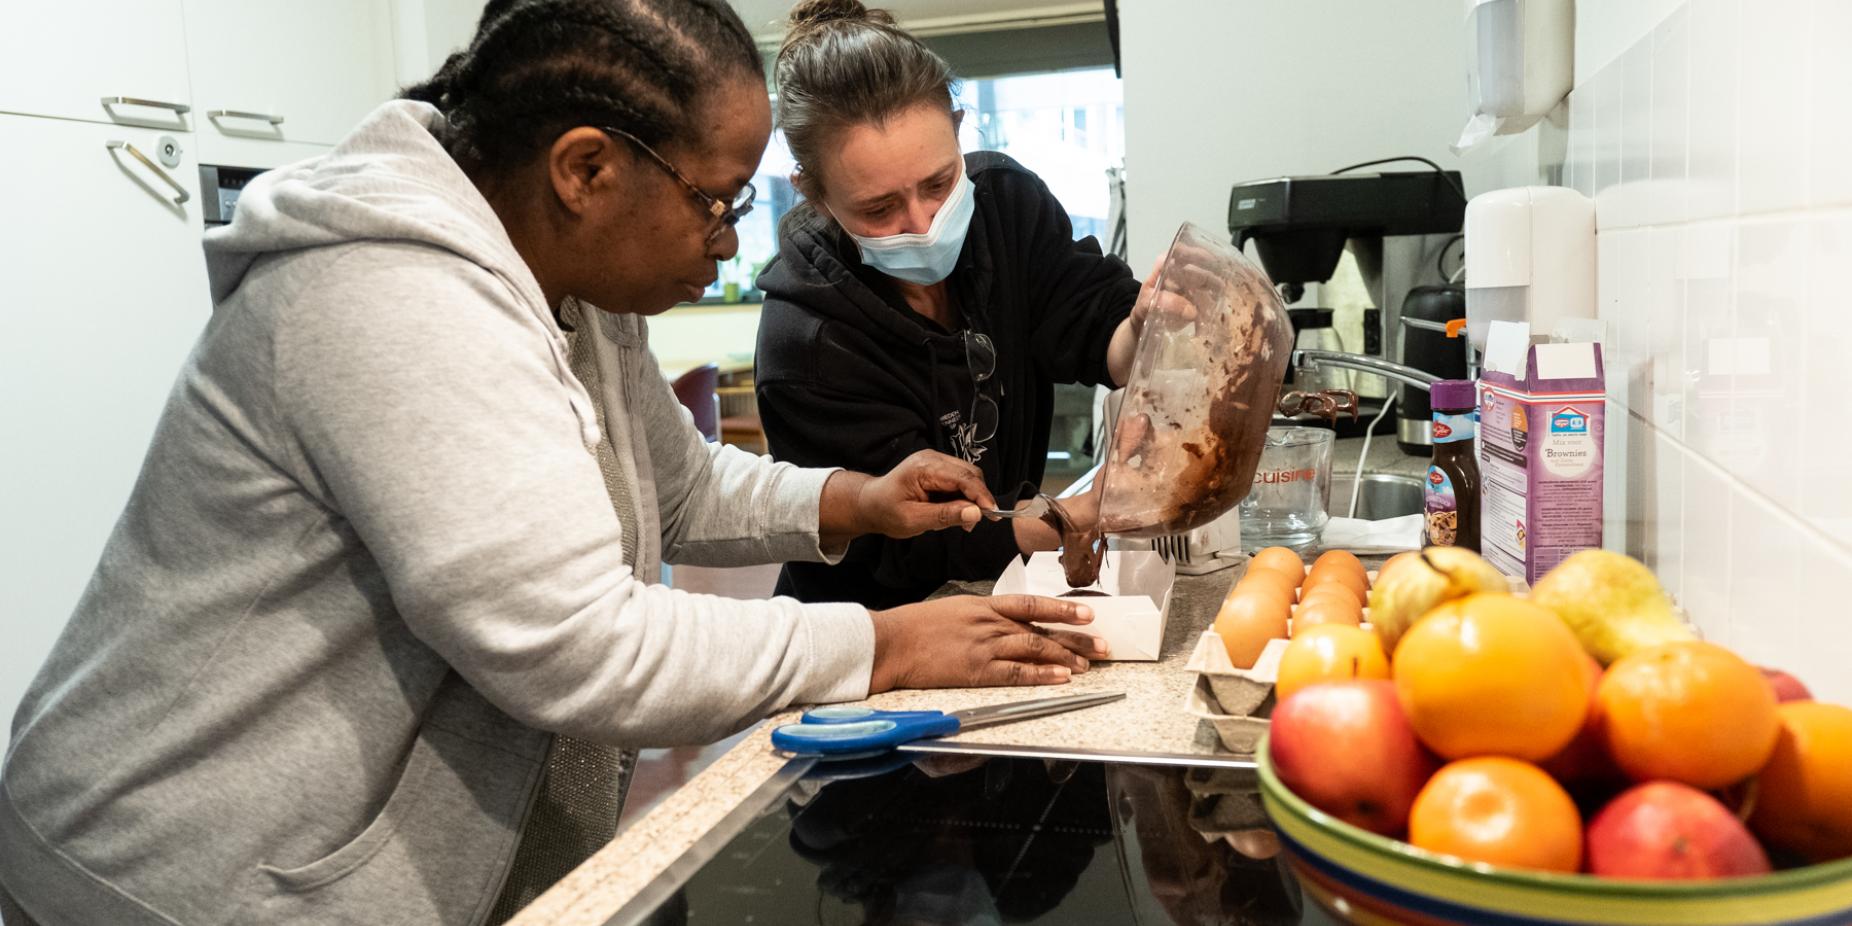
[1530, 257]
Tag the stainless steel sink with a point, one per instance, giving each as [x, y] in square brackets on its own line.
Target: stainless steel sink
[1383, 496]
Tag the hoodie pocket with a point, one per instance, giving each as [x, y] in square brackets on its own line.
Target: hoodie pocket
[439, 846]
[400, 805]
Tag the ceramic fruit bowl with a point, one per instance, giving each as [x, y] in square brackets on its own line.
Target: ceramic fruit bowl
[1368, 879]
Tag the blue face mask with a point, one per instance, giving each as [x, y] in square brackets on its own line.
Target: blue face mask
[928, 257]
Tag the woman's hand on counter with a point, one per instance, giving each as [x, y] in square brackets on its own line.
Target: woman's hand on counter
[969, 642]
[927, 491]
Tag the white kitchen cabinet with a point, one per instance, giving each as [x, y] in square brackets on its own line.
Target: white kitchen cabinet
[63, 57]
[268, 72]
[102, 294]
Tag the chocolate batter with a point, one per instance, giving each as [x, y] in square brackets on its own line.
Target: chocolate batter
[1082, 549]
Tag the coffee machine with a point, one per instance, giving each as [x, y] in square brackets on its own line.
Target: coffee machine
[1396, 224]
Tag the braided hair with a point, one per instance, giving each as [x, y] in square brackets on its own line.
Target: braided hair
[537, 68]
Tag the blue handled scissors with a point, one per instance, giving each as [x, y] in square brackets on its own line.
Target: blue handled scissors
[858, 732]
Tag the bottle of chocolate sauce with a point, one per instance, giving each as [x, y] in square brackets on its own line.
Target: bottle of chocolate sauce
[1451, 491]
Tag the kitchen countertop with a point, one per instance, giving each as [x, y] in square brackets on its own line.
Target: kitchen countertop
[1150, 722]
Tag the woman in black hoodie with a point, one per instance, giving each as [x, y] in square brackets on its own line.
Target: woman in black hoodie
[920, 299]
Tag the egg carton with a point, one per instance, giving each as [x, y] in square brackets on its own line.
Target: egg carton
[1239, 733]
[1224, 800]
[1232, 690]
[1228, 691]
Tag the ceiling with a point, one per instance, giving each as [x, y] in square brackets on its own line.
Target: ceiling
[766, 18]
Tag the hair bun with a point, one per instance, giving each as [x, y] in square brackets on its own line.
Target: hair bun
[809, 14]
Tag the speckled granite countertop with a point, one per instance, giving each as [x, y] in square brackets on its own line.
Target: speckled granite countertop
[1150, 721]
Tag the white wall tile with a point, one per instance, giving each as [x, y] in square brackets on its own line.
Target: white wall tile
[1818, 656]
[1771, 331]
[1606, 29]
[1710, 133]
[1625, 137]
[1765, 594]
[1665, 525]
[1621, 288]
[1631, 502]
[1598, 38]
[1579, 161]
[1711, 114]
[1775, 118]
[1664, 399]
[1824, 443]
[1830, 163]
[1705, 265]
[1669, 126]
[1637, 116]
[1610, 85]
[1705, 589]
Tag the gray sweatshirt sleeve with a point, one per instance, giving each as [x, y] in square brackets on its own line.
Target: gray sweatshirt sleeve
[429, 414]
[722, 506]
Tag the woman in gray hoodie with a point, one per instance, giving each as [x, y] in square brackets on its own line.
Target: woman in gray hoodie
[382, 585]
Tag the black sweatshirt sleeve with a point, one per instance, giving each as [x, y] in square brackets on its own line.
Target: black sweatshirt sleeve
[814, 426]
[1078, 294]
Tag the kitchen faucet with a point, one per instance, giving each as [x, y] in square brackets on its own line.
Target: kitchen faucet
[1308, 361]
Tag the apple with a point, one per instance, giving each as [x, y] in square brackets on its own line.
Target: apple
[1787, 687]
[1664, 830]
[1347, 749]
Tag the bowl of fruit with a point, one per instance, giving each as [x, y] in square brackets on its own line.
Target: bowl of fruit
[1576, 756]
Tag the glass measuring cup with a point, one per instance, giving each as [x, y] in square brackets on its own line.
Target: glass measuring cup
[1291, 490]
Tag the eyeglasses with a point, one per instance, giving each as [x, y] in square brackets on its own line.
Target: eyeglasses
[718, 210]
[981, 361]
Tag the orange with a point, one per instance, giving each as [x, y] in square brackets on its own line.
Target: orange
[1804, 803]
[1689, 712]
[1492, 675]
[1499, 811]
[1281, 560]
[1327, 653]
[1245, 624]
[1334, 608]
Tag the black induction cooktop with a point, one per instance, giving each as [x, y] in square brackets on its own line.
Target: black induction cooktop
[953, 839]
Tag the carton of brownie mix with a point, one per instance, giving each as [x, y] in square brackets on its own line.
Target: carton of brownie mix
[1542, 414]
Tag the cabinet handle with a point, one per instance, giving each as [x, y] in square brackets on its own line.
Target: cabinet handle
[240, 114]
[180, 194]
[178, 108]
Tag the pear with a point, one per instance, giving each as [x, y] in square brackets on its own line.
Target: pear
[1613, 602]
[1415, 585]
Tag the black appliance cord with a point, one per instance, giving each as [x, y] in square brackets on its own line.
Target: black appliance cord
[1454, 184]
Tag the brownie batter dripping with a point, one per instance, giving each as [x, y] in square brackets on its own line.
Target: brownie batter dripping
[1082, 550]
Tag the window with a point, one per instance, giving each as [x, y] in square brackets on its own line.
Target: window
[758, 230]
[1066, 126]
[1069, 128]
